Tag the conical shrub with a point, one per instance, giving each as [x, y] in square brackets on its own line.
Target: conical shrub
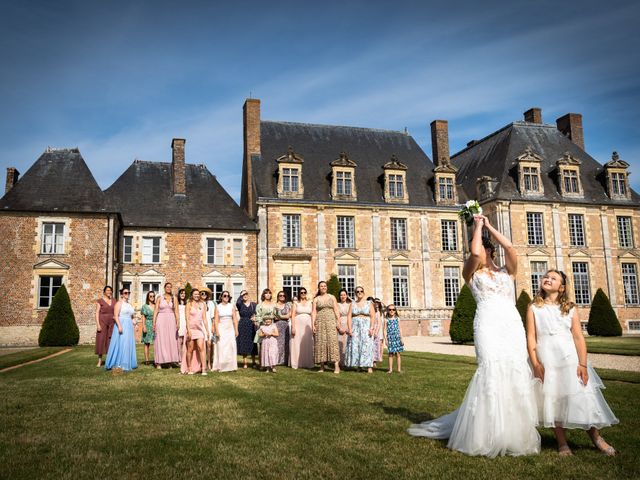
[461, 329]
[603, 320]
[334, 285]
[522, 304]
[59, 328]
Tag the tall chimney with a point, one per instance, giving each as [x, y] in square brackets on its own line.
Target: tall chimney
[12, 178]
[533, 115]
[251, 121]
[178, 168]
[440, 142]
[571, 126]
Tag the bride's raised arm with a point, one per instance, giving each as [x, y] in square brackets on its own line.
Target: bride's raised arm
[478, 255]
[511, 260]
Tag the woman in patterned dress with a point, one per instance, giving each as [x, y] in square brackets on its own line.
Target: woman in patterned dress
[361, 323]
[393, 337]
[283, 314]
[104, 322]
[246, 329]
[344, 307]
[301, 343]
[325, 323]
[147, 327]
[265, 309]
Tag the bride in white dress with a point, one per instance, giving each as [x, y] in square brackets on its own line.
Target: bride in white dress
[498, 415]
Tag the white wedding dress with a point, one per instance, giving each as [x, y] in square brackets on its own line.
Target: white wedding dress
[498, 415]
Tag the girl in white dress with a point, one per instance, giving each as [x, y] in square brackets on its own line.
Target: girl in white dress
[225, 356]
[498, 415]
[570, 395]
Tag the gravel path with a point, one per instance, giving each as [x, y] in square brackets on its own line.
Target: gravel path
[444, 345]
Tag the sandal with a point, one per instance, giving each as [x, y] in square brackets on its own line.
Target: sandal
[604, 447]
[564, 451]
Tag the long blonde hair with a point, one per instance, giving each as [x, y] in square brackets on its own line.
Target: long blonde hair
[563, 297]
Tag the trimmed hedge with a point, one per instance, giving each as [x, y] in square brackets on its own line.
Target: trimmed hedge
[334, 285]
[461, 329]
[522, 304]
[59, 328]
[603, 320]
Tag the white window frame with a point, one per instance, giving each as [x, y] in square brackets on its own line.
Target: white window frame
[400, 282]
[531, 179]
[625, 231]
[236, 288]
[146, 287]
[50, 289]
[291, 230]
[535, 228]
[346, 231]
[127, 249]
[215, 250]
[396, 186]
[347, 278]
[399, 234]
[291, 285]
[619, 184]
[538, 269]
[577, 237]
[445, 184]
[151, 253]
[451, 285]
[53, 241]
[290, 180]
[581, 284]
[449, 232]
[238, 251]
[344, 183]
[630, 283]
[570, 180]
[216, 290]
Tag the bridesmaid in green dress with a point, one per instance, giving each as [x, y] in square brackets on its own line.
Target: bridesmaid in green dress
[147, 327]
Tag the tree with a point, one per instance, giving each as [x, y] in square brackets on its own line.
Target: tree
[334, 285]
[59, 328]
[522, 304]
[461, 329]
[603, 320]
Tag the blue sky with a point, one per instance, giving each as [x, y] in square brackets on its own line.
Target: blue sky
[120, 79]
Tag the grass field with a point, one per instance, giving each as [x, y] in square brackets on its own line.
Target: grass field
[614, 345]
[65, 418]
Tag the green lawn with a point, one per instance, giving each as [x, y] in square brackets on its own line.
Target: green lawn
[614, 345]
[28, 355]
[65, 418]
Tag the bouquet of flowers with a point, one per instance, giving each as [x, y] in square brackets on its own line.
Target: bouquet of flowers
[469, 209]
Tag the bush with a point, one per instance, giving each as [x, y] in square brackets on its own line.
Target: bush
[603, 320]
[334, 285]
[187, 290]
[461, 329]
[522, 304]
[59, 328]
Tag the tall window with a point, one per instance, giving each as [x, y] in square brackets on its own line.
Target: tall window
[237, 251]
[291, 285]
[53, 238]
[291, 230]
[576, 230]
[215, 251]
[570, 181]
[125, 286]
[347, 277]
[449, 229]
[150, 249]
[127, 249]
[400, 279]
[48, 287]
[399, 233]
[625, 233]
[290, 179]
[149, 287]
[216, 290]
[619, 184]
[396, 186]
[530, 177]
[346, 232]
[582, 292]
[630, 282]
[538, 269]
[535, 232]
[451, 285]
[237, 288]
[445, 184]
[343, 183]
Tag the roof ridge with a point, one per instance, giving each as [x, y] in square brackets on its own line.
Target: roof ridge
[478, 142]
[382, 130]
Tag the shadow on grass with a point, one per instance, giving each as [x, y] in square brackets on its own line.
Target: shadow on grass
[413, 417]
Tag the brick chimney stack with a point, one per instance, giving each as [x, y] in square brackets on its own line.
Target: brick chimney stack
[533, 115]
[12, 178]
[440, 142]
[571, 126]
[178, 167]
[251, 121]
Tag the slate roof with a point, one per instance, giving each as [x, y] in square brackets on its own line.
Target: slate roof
[495, 156]
[143, 196]
[320, 145]
[59, 181]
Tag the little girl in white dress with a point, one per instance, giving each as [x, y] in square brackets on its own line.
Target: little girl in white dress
[569, 395]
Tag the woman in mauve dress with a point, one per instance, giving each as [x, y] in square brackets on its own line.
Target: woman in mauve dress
[283, 314]
[165, 343]
[301, 343]
[197, 331]
[344, 307]
[104, 322]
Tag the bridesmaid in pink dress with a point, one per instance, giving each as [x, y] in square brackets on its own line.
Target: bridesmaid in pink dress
[301, 343]
[269, 346]
[165, 327]
[344, 307]
[197, 330]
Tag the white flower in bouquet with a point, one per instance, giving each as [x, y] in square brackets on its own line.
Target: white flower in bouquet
[471, 208]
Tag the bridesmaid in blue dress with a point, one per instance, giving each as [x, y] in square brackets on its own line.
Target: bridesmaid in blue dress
[359, 352]
[122, 348]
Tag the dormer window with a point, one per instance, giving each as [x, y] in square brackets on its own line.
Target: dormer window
[485, 187]
[617, 178]
[569, 171]
[445, 184]
[530, 180]
[290, 175]
[395, 190]
[343, 174]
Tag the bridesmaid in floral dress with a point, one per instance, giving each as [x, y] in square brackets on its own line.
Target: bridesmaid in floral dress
[147, 325]
[344, 307]
[360, 344]
[246, 329]
[324, 318]
[265, 309]
[283, 314]
[165, 344]
[301, 343]
[104, 322]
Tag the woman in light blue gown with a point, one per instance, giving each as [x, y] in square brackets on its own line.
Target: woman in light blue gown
[122, 348]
